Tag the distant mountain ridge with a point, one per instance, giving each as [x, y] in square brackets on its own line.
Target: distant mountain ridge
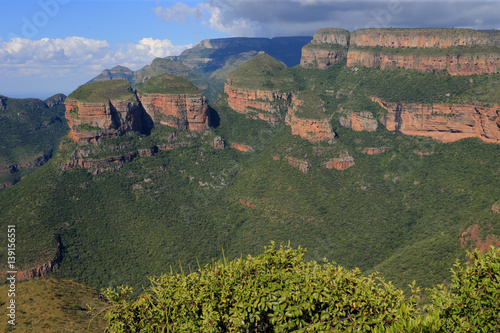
[207, 63]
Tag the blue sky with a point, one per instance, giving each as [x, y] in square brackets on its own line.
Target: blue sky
[51, 46]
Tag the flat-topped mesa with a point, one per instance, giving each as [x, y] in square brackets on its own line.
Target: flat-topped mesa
[444, 122]
[101, 110]
[260, 88]
[308, 118]
[458, 51]
[329, 46]
[419, 38]
[174, 101]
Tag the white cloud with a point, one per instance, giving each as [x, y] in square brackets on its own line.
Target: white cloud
[77, 55]
[178, 12]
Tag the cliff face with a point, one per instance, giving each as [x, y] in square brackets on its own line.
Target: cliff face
[458, 51]
[177, 110]
[257, 104]
[466, 64]
[313, 130]
[358, 121]
[328, 47]
[91, 121]
[418, 38]
[444, 122]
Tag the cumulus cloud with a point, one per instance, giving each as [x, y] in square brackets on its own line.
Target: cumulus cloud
[22, 56]
[178, 12]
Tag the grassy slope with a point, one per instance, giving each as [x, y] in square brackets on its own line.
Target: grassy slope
[168, 84]
[53, 305]
[103, 91]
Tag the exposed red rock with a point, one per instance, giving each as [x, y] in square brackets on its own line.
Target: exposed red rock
[276, 158]
[108, 119]
[473, 237]
[444, 122]
[375, 150]
[345, 161]
[328, 47]
[255, 104]
[218, 143]
[248, 204]
[302, 165]
[465, 64]
[241, 147]
[313, 130]
[177, 110]
[44, 269]
[358, 121]
[496, 207]
[418, 38]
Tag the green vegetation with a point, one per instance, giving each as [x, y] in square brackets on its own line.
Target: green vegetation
[168, 84]
[54, 305]
[280, 292]
[30, 133]
[311, 106]
[263, 72]
[102, 91]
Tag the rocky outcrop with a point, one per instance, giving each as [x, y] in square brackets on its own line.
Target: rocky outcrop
[329, 46]
[302, 165]
[444, 122]
[218, 143]
[358, 121]
[183, 111]
[57, 99]
[419, 38]
[240, 147]
[343, 162]
[257, 104]
[464, 64]
[91, 121]
[474, 237]
[313, 129]
[44, 269]
[375, 150]
[458, 51]
[496, 207]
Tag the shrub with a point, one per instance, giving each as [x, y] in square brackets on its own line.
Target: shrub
[275, 292]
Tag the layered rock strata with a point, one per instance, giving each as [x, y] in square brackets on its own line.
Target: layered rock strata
[257, 104]
[458, 51]
[444, 122]
[92, 121]
[302, 165]
[358, 121]
[465, 64]
[343, 162]
[182, 111]
[329, 46]
[307, 127]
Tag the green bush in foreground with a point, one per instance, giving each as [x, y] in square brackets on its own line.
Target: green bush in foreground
[277, 291]
[280, 292]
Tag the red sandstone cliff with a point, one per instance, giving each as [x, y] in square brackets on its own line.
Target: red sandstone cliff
[465, 64]
[444, 122]
[181, 111]
[313, 130]
[91, 121]
[419, 38]
[256, 104]
[328, 47]
[358, 121]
